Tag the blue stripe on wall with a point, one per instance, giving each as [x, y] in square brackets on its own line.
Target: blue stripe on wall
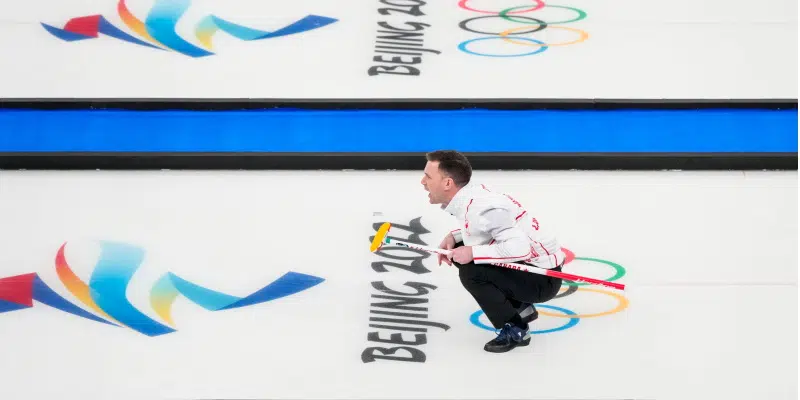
[683, 131]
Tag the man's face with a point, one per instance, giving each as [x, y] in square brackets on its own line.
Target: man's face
[437, 184]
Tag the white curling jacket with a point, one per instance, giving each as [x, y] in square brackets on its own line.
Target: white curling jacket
[500, 229]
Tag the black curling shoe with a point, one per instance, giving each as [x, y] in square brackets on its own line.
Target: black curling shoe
[510, 336]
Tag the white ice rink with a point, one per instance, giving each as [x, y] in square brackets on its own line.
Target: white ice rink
[709, 260]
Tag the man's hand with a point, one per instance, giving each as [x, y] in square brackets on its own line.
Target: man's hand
[448, 243]
[462, 255]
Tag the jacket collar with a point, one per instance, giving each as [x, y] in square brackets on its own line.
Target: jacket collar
[458, 205]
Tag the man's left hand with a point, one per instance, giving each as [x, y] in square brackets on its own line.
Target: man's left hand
[462, 255]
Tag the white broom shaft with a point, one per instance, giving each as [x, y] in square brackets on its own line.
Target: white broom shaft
[534, 270]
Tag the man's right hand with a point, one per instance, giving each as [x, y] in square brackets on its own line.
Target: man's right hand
[449, 243]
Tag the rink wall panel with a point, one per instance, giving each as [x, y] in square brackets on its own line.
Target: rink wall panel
[305, 138]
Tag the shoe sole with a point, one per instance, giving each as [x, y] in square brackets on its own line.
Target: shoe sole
[523, 343]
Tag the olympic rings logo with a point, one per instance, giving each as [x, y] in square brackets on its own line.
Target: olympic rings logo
[572, 317]
[529, 25]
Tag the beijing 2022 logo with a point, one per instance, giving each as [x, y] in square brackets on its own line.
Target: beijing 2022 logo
[158, 29]
[105, 294]
[520, 23]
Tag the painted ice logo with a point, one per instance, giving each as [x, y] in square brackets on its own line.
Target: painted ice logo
[105, 294]
[518, 24]
[157, 30]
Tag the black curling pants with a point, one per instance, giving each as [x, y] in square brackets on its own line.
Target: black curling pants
[500, 291]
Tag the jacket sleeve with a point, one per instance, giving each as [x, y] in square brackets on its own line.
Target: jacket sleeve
[510, 242]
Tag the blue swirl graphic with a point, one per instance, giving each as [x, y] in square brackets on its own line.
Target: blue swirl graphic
[308, 22]
[109, 283]
[161, 22]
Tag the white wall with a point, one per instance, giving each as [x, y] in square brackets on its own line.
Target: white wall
[710, 259]
[635, 49]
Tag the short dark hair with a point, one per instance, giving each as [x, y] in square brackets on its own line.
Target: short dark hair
[453, 164]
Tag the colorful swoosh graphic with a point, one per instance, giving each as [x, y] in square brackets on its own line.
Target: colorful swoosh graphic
[158, 29]
[106, 292]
